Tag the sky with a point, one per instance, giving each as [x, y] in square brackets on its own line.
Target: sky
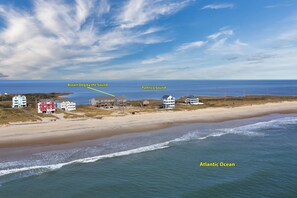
[148, 39]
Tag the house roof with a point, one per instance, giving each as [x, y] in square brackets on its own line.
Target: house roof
[191, 96]
[103, 98]
[120, 98]
[166, 96]
[110, 98]
[46, 100]
[66, 102]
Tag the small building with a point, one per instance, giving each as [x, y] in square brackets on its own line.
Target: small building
[19, 101]
[66, 106]
[192, 100]
[46, 106]
[168, 102]
[145, 103]
[108, 102]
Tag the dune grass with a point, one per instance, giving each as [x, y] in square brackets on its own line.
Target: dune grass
[91, 111]
[8, 115]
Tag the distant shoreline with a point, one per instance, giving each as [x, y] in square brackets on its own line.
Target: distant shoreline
[74, 130]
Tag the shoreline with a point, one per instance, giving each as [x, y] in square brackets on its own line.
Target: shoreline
[69, 131]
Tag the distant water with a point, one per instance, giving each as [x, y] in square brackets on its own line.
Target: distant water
[163, 163]
[131, 89]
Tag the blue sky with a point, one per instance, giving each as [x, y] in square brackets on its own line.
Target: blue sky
[148, 39]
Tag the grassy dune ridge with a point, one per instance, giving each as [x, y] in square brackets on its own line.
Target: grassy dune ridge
[8, 115]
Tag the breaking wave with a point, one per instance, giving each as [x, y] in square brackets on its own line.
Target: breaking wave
[246, 130]
[86, 160]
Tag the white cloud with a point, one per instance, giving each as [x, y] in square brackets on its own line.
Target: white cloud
[20, 27]
[288, 30]
[192, 45]
[168, 56]
[265, 63]
[278, 5]
[156, 59]
[3, 75]
[266, 58]
[223, 43]
[224, 46]
[104, 7]
[218, 6]
[57, 18]
[152, 30]
[83, 39]
[217, 43]
[222, 32]
[83, 9]
[258, 63]
[139, 12]
[290, 35]
[250, 61]
[57, 35]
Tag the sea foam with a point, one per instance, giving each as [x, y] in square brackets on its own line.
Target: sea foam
[51, 167]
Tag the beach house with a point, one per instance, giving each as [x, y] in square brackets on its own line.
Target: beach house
[108, 102]
[19, 101]
[192, 100]
[168, 102]
[46, 106]
[66, 106]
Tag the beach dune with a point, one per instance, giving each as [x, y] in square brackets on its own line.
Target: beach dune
[65, 131]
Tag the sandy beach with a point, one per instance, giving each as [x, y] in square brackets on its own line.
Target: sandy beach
[65, 131]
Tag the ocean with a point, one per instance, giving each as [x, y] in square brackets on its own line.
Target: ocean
[165, 162]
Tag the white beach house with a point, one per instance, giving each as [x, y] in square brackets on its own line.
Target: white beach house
[168, 102]
[192, 100]
[19, 101]
[66, 106]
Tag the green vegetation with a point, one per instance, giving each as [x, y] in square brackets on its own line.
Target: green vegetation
[68, 115]
[231, 101]
[15, 115]
[91, 111]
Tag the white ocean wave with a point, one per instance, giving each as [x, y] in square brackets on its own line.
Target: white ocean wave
[45, 168]
[246, 130]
